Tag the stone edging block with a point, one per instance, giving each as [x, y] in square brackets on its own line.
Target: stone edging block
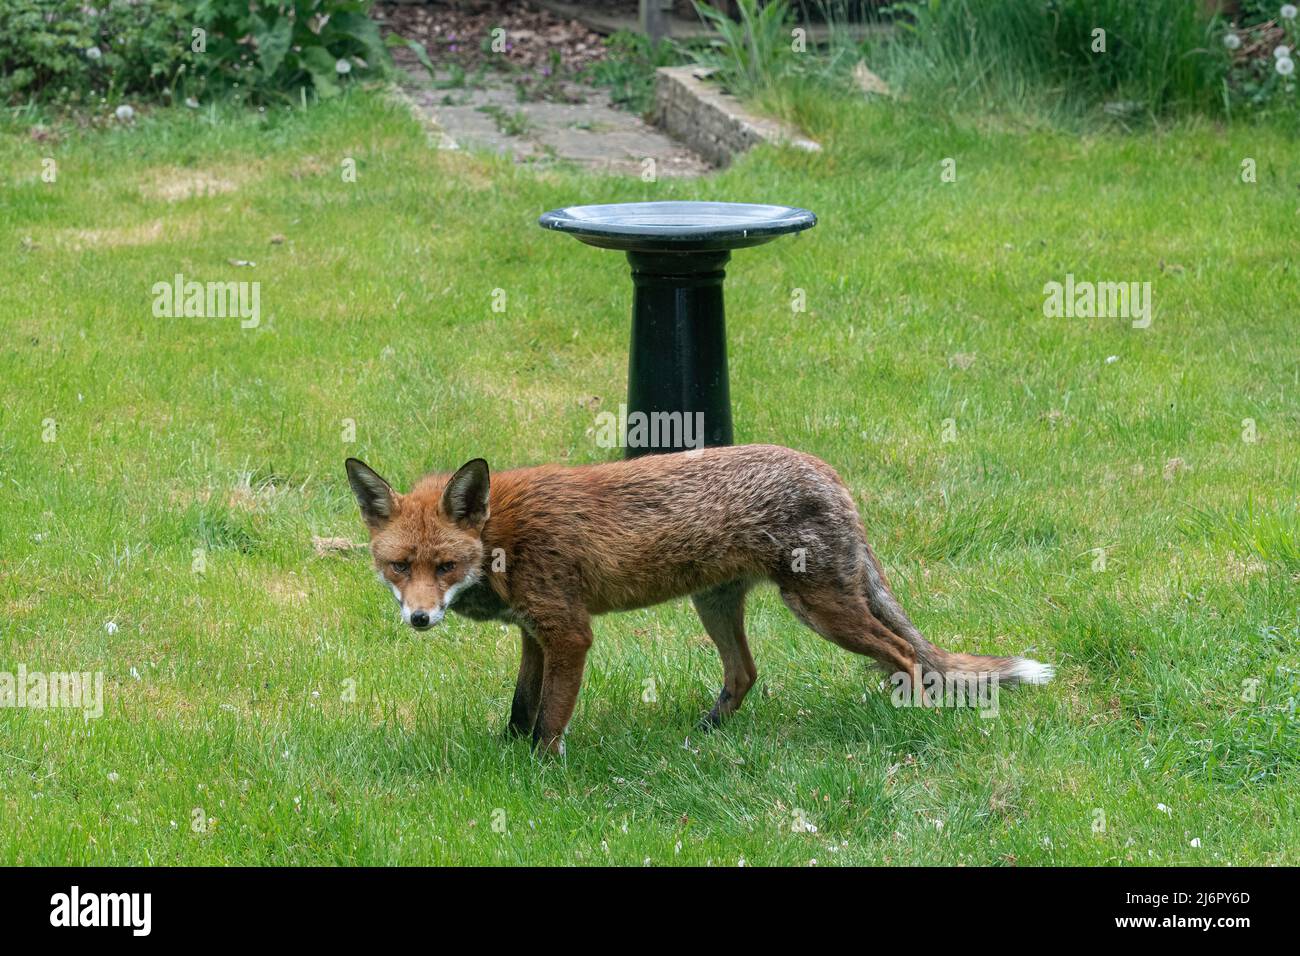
[713, 123]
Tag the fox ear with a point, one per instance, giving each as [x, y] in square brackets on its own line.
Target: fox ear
[466, 499]
[373, 494]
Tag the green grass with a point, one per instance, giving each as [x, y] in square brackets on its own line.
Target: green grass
[227, 692]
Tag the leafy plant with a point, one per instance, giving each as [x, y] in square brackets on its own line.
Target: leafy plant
[628, 70]
[508, 123]
[1262, 44]
[67, 52]
[547, 83]
[274, 50]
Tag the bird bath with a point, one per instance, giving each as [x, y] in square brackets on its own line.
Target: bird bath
[677, 364]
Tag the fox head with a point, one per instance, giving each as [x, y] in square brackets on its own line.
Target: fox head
[427, 544]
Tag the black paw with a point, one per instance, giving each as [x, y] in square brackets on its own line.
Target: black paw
[713, 719]
[710, 721]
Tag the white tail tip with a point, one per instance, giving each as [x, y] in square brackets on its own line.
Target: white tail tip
[1028, 671]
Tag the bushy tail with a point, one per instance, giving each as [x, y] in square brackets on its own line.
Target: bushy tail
[1010, 670]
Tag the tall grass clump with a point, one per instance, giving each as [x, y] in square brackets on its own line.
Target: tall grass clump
[753, 52]
[761, 55]
[1149, 57]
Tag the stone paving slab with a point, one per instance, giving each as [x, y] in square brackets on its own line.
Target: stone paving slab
[591, 133]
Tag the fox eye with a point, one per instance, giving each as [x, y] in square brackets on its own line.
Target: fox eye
[446, 567]
[400, 567]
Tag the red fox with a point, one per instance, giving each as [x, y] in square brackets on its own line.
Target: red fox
[547, 548]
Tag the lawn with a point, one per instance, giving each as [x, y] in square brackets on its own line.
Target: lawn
[163, 479]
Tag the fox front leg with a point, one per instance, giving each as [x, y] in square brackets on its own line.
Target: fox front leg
[564, 650]
[528, 688]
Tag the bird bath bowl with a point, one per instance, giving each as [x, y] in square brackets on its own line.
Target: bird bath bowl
[677, 364]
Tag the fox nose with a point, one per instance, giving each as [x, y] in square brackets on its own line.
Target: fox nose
[420, 620]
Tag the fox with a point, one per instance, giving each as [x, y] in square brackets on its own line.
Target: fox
[549, 547]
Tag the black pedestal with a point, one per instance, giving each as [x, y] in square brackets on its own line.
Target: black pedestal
[677, 365]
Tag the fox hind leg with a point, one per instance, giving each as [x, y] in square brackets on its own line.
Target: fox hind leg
[844, 617]
[935, 660]
[722, 611]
